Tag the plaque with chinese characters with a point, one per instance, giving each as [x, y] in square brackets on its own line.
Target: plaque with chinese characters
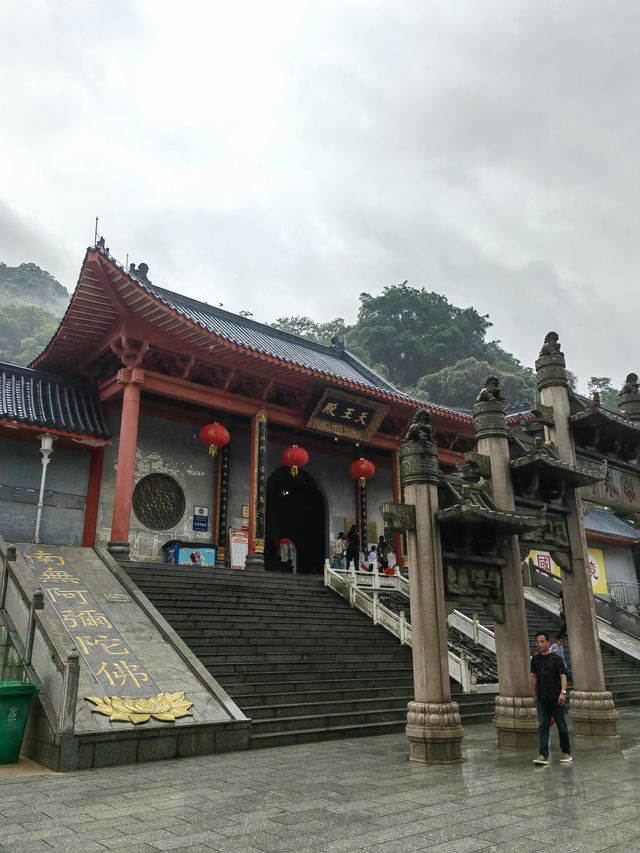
[346, 415]
[92, 630]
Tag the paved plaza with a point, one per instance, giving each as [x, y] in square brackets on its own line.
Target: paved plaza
[336, 796]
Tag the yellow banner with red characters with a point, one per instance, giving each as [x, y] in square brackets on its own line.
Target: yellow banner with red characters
[543, 562]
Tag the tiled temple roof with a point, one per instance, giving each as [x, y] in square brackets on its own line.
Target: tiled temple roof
[602, 522]
[282, 345]
[39, 399]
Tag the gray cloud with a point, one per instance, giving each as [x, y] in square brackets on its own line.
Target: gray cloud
[284, 159]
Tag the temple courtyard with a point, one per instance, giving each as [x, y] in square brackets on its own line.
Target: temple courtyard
[342, 795]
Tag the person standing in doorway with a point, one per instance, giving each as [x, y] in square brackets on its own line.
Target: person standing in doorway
[558, 648]
[353, 546]
[383, 553]
[339, 550]
[549, 687]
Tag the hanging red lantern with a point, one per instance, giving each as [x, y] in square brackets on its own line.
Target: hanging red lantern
[362, 469]
[294, 458]
[215, 435]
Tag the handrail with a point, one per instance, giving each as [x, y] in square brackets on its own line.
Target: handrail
[608, 610]
[618, 590]
[68, 669]
[472, 628]
[379, 582]
[345, 583]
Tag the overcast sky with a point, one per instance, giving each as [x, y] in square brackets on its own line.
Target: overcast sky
[282, 157]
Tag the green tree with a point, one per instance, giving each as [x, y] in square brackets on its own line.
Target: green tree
[25, 330]
[415, 331]
[608, 394]
[305, 327]
[460, 383]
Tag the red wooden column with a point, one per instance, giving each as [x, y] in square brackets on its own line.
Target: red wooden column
[93, 498]
[257, 489]
[132, 380]
[398, 543]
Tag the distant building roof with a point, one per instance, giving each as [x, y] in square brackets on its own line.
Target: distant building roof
[39, 399]
[602, 522]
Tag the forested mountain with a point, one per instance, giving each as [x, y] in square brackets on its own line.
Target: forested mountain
[31, 304]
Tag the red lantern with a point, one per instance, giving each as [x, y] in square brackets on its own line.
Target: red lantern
[294, 457]
[362, 469]
[215, 435]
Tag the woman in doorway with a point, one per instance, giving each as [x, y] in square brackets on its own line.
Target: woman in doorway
[353, 546]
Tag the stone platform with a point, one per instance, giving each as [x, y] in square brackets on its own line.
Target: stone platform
[338, 796]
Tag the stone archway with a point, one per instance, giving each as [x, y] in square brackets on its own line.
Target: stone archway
[295, 511]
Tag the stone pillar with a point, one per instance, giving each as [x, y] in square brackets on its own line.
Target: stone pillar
[257, 490]
[629, 398]
[433, 720]
[220, 502]
[515, 715]
[132, 379]
[592, 709]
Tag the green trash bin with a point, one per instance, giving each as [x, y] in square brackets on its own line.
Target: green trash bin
[15, 699]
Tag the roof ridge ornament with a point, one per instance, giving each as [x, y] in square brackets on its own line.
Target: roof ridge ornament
[141, 272]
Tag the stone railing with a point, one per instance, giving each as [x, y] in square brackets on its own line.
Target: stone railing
[625, 594]
[627, 621]
[55, 670]
[362, 590]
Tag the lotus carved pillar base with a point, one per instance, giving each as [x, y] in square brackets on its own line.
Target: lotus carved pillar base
[435, 732]
[593, 714]
[516, 722]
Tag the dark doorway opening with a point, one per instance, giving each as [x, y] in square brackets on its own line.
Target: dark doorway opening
[295, 512]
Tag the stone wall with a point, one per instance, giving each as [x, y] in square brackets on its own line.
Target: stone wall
[171, 448]
[164, 447]
[64, 497]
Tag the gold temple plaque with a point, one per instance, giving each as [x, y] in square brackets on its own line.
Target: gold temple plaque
[346, 415]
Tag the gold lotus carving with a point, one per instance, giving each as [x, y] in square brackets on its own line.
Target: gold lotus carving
[167, 707]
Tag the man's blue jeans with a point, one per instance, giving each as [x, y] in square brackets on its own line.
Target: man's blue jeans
[546, 710]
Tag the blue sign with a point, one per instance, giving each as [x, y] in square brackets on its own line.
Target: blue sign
[201, 518]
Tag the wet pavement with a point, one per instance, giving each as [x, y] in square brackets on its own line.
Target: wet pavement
[342, 795]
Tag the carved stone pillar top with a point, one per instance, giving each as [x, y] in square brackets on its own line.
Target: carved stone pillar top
[550, 365]
[489, 419]
[629, 397]
[419, 452]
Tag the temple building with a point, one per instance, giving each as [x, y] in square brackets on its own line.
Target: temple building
[127, 383]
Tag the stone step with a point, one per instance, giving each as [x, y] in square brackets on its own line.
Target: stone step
[273, 669]
[328, 681]
[329, 706]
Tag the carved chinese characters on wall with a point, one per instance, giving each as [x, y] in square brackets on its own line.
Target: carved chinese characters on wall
[347, 415]
[158, 502]
[107, 654]
[620, 489]
[91, 629]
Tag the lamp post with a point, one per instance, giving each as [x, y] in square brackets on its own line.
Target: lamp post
[46, 449]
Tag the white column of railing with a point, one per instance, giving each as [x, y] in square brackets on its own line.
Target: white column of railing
[346, 585]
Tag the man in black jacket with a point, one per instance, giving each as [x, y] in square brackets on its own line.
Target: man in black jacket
[549, 687]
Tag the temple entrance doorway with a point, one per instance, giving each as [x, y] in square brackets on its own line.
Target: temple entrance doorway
[295, 514]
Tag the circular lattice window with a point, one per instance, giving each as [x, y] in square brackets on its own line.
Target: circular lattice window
[158, 502]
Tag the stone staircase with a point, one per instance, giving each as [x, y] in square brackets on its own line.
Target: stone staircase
[295, 657]
[621, 672]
